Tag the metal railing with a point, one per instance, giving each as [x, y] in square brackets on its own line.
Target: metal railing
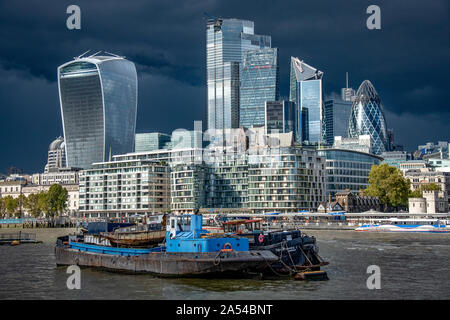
[20, 236]
[11, 221]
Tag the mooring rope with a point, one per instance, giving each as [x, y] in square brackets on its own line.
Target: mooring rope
[217, 261]
[306, 256]
[270, 266]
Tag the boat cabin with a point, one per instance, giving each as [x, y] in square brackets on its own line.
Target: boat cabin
[243, 226]
[186, 234]
[422, 222]
[407, 222]
[153, 226]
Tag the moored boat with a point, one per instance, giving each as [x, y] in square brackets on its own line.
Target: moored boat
[137, 236]
[187, 252]
[295, 250]
[405, 225]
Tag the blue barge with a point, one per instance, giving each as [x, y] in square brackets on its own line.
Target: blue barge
[188, 251]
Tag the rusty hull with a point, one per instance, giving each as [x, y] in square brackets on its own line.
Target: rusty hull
[170, 264]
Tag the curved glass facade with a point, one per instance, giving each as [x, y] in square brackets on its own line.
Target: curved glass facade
[367, 117]
[119, 84]
[347, 169]
[98, 97]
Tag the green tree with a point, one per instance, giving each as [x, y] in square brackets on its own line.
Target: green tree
[11, 205]
[20, 204]
[57, 199]
[430, 187]
[42, 198]
[3, 211]
[388, 184]
[31, 204]
[418, 193]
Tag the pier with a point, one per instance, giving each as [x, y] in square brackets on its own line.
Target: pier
[327, 221]
[28, 223]
[20, 237]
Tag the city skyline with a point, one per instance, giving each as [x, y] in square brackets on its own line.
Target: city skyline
[157, 70]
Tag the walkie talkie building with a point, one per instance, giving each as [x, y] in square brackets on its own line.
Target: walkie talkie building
[98, 97]
[367, 118]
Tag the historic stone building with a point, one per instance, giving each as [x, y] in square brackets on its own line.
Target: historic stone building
[431, 202]
[351, 202]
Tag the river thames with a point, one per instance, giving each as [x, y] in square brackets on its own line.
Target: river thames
[413, 266]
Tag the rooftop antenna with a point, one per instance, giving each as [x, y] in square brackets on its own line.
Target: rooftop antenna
[92, 55]
[115, 55]
[346, 79]
[76, 58]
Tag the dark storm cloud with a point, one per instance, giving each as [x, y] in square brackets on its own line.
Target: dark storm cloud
[407, 60]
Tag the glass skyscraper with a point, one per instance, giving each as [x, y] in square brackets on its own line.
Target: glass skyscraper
[337, 113]
[280, 117]
[259, 83]
[151, 141]
[226, 41]
[306, 92]
[304, 124]
[367, 118]
[98, 97]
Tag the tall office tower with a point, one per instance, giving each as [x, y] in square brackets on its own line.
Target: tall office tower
[367, 118]
[347, 94]
[337, 113]
[306, 92]
[56, 155]
[390, 134]
[226, 41]
[280, 117]
[259, 83]
[151, 141]
[182, 139]
[98, 97]
[304, 118]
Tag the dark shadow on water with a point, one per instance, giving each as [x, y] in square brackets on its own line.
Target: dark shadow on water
[230, 285]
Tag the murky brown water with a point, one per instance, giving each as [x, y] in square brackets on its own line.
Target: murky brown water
[413, 266]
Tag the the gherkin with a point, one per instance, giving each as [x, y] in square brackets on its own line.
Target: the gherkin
[367, 118]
